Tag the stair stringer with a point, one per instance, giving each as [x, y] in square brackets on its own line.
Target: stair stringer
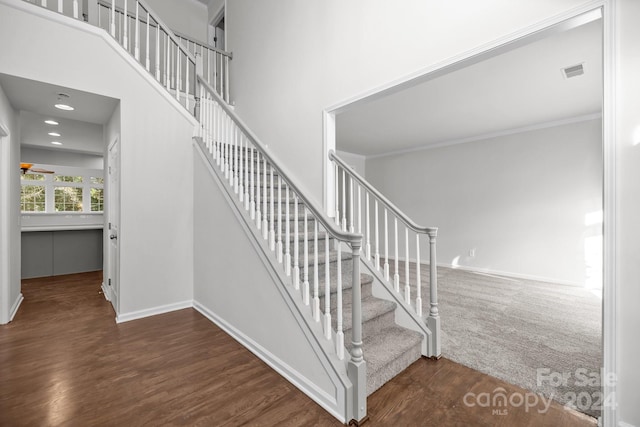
[405, 315]
[284, 336]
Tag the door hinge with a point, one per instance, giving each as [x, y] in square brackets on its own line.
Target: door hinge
[109, 282]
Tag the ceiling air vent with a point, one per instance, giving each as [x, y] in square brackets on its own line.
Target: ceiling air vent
[573, 71]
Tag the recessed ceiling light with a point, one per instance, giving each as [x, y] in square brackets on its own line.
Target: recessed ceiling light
[54, 134]
[64, 107]
[56, 143]
[51, 122]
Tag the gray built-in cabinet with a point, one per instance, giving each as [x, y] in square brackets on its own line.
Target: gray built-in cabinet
[56, 252]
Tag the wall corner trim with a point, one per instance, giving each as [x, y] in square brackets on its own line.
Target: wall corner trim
[15, 307]
[148, 312]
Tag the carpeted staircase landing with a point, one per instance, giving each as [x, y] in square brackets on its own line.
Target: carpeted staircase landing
[388, 348]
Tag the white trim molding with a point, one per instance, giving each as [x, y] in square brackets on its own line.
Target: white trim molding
[623, 424]
[15, 307]
[106, 291]
[506, 132]
[148, 312]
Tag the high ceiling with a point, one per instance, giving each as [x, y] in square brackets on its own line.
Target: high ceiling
[520, 88]
[80, 130]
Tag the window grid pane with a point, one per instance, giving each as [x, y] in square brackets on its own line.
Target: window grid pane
[97, 199]
[97, 180]
[32, 198]
[63, 178]
[68, 199]
[32, 177]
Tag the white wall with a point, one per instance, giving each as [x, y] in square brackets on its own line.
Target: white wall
[9, 211]
[293, 59]
[156, 227]
[521, 202]
[628, 204]
[188, 17]
[357, 162]
[62, 158]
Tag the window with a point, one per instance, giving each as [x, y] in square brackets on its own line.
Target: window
[97, 199]
[68, 189]
[32, 198]
[68, 199]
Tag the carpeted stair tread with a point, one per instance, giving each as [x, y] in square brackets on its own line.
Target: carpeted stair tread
[388, 353]
[372, 309]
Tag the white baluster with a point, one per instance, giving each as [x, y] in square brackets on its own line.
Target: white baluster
[75, 9]
[377, 256]
[316, 298]
[215, 70]
[351, 227]
[339, 332]
[136, 50]
[407, 288]
[327, 289]
[287, 237]
[112, 23]
[305, 247]
[359, 209]
[242, 169]
[367, 219]
[157, 52]
[226, 78]
[177, 73]
[125, 36]
[386, 246]
[60, 6]
[225, 147]
[272, 232]
[258, 189]
[147, 63]
[279, 244]
[337, 194]
[252, 188]
[344, 203]
[167, 65]
[265, 224]
[245, 183]
[418, 285]
[296, 249]
[234, 165]
[43, 3]
[396, 274]
[186, 78]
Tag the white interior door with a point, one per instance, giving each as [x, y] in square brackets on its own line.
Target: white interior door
[113, 224]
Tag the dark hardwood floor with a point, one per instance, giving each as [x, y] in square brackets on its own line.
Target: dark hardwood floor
[65, 362]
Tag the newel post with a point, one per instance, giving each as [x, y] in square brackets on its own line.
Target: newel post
[357, 367]
[433, 320]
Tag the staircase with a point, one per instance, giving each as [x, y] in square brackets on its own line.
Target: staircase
[359, 324]
[388, 348]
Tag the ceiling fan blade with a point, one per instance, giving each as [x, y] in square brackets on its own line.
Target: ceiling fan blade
[36, 170]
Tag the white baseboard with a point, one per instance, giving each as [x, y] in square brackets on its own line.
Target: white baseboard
[318, 395]
[623, 424]
[106, 291]
[15, 307]
[133, 315]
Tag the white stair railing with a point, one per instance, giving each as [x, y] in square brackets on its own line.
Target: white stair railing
[261, 185]
[346, 181]
[151, 42]
[213, 63]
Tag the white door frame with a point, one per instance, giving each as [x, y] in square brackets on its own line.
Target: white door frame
[562, 22]
[112, 263]
[5, 204]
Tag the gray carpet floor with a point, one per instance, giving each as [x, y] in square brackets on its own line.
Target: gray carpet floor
[525, 332]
